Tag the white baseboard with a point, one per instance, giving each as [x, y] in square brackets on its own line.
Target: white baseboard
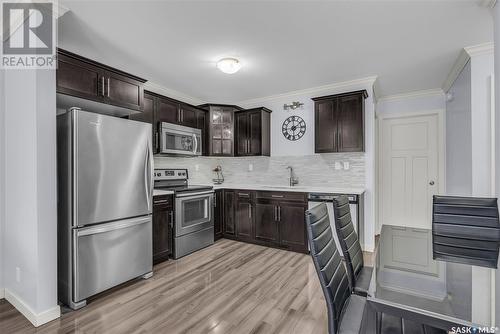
[2, 293]
[37, 319]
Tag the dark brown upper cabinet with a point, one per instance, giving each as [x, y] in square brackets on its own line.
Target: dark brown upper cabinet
[220, 126]
[158, 109]
[253, 132]
[88, 79]
[339, 122]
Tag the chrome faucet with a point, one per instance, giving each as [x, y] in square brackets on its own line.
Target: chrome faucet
[293, 180]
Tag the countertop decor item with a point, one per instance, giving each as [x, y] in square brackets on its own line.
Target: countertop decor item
[219, 176]
[294, 127]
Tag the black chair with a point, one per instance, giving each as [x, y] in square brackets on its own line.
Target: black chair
[345, 310]
[359, 275]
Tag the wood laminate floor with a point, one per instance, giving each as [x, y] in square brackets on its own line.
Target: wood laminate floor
[230, 287]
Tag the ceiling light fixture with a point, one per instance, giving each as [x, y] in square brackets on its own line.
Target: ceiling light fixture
[229, 65]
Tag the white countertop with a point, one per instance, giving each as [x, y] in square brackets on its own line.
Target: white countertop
[158, 192]
[302, 189]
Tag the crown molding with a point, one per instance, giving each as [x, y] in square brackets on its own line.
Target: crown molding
[310, 91]
[463, 58]
[156, 88]
[412, 95]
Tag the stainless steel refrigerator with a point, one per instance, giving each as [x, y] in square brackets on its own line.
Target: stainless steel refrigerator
[105, 189]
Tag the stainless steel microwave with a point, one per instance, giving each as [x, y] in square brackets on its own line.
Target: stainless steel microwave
[180, 140]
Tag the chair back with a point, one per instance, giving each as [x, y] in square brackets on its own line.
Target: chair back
[348, 238]
[328, 263]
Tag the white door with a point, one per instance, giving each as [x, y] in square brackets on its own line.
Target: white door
[409, 170]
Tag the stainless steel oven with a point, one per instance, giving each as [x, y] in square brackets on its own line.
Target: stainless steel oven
[193, 211]
[180, 140]
[194, 221]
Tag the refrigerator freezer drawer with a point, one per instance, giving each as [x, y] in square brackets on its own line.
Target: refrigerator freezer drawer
[109, 254]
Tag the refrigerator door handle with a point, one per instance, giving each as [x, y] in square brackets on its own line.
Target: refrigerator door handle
[103, 228]
[148, 177]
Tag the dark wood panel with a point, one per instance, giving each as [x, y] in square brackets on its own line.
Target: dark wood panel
[79, 79]
[229, 213]
[218, 214]
[167, 111]
[244, 220]
[350, 123]
[280, 195]
[266, 225]
[123, 91]
[255, 133]
[241, 133]
[188, 116]
[162, 228]
[325, 126]
[292, 226]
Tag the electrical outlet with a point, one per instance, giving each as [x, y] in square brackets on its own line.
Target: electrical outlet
[250, 167]
[347, 165]
[338, 165]
[18, 275]
[197, 167]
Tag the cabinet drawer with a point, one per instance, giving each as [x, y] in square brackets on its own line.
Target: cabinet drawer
[163, 200]
[282, 196]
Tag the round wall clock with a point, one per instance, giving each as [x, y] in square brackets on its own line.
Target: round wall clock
[293, 128]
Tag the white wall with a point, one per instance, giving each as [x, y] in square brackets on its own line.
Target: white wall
[412, 103]
[30, 235]
[459, 136]
[280, 146]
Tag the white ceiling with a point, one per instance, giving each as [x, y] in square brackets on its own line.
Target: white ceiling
[283, 45]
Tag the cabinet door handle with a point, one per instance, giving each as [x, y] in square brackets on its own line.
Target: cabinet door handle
[108, 86]
[277, 196]
[102, 86]
[248, 145]
[275, 213]
[156, 141]
[279, 213]
[250, 211]
[171, 213]
[243, 195]
[161, 201]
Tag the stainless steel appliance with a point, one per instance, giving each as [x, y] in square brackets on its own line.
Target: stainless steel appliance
[355, 206]
[180, 140]
[105, 187]
[194, 217]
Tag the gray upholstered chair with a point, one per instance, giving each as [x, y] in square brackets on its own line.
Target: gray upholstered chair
[345, 310]
[359, 274]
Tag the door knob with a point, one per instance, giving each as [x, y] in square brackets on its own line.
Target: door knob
[431, 183]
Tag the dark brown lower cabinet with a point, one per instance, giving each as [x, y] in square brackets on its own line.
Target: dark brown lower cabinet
[218, 214]
[229, 216]
[273, 219]
[162, 228]
[293, 234]
[266, 223]
[244, 215]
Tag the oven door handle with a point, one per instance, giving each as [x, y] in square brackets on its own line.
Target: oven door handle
[209, 192]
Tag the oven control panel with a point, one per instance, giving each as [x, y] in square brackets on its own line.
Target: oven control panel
[170, 174]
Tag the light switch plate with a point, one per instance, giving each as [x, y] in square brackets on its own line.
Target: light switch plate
[250, 167]
[347, 165]
[338, 165]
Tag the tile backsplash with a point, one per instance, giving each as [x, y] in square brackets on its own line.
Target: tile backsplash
[312, 170]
